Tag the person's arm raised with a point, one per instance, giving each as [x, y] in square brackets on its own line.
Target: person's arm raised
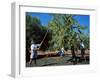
[38, 46]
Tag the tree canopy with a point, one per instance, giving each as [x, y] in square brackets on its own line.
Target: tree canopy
[66, 32]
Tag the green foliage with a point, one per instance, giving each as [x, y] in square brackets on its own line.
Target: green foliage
[36, 31]
[32, 25]
[64, 33]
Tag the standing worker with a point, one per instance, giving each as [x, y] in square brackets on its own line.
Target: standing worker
[82, 47]
[34, 47]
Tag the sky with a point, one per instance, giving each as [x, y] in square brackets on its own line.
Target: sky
[84, 20]
[45, 18]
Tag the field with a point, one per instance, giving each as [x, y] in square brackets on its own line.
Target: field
[54, 60]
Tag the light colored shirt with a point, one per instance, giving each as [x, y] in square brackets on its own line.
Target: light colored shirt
[82, 45]
[32, 48]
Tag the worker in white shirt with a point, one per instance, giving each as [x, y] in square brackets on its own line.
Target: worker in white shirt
[34, 47]
[82, 47]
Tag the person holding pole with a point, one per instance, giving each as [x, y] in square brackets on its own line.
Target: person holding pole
[34, 47]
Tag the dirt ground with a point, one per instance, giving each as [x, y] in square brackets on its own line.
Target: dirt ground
[54, 60]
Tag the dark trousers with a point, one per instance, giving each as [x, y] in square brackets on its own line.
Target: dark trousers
[35, 57]
[82, 52]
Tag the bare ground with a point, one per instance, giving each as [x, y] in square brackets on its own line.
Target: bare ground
[51, 59]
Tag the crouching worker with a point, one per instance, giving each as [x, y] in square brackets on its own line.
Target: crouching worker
[61, 52]
[34, 47]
